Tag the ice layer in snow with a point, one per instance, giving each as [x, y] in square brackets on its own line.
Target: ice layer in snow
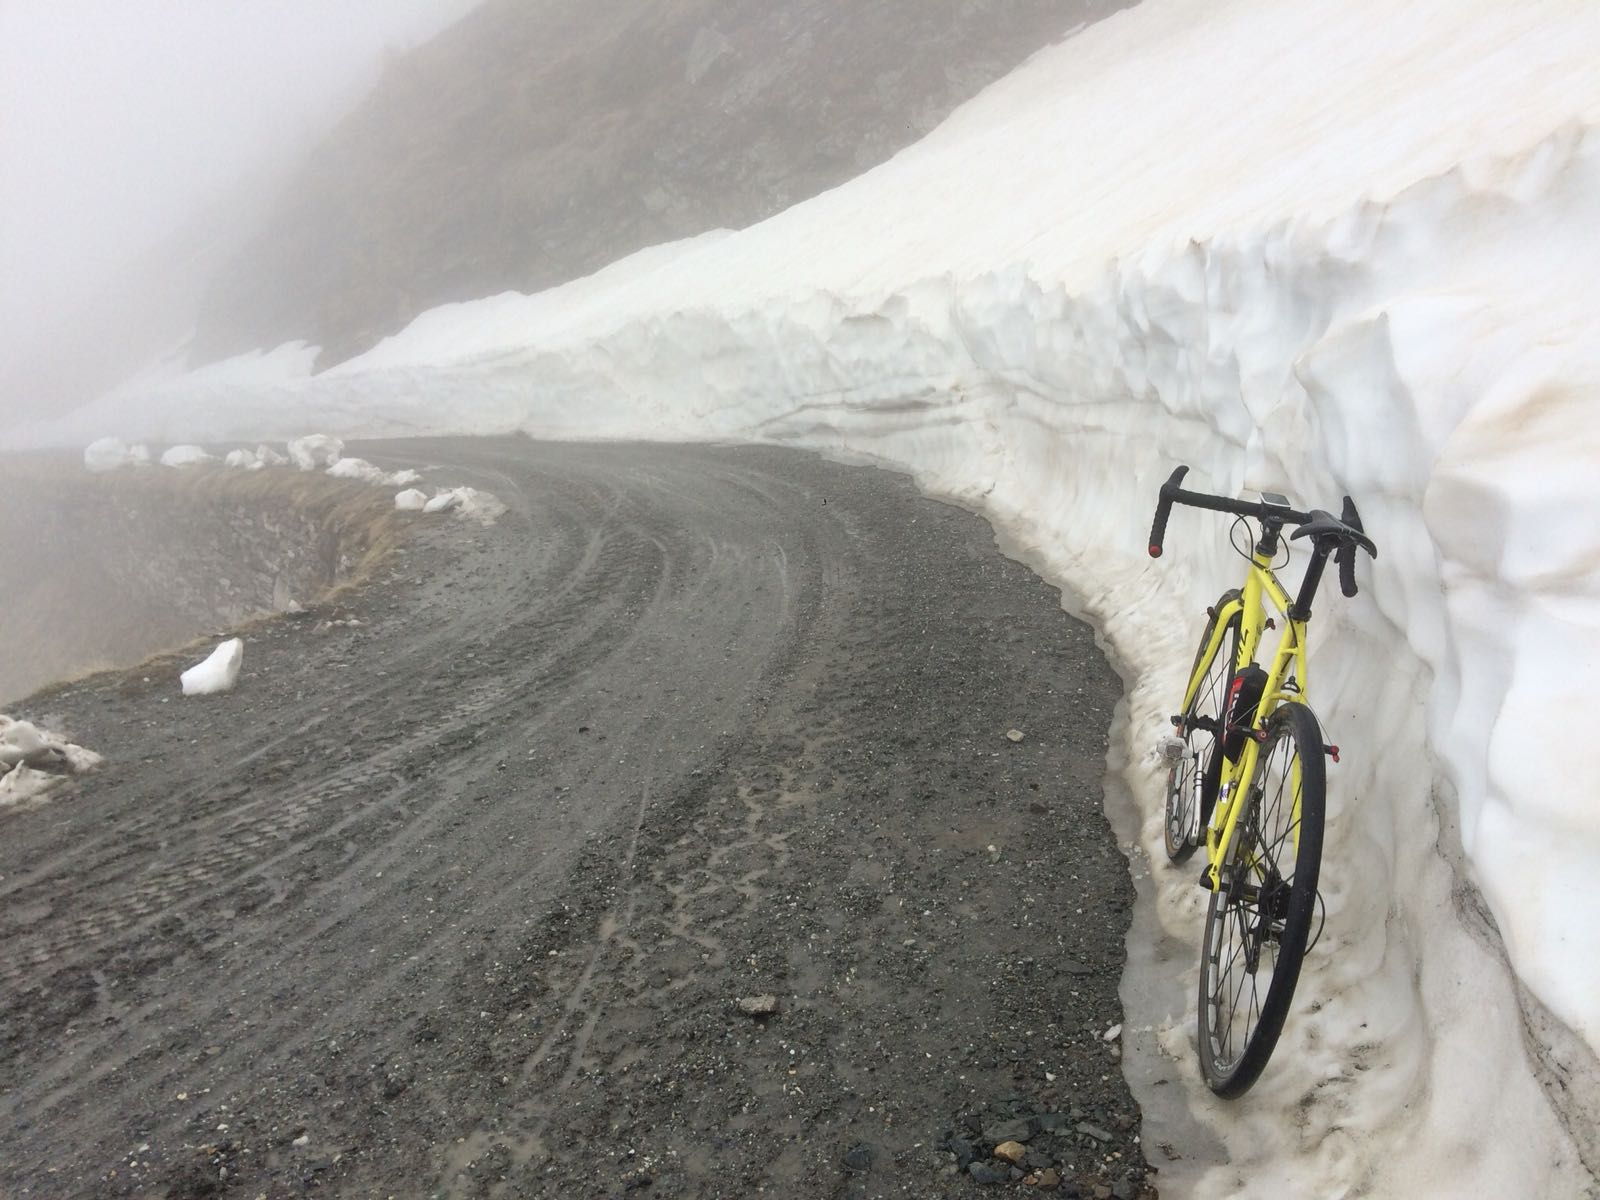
[1316, 249]
[218, 673]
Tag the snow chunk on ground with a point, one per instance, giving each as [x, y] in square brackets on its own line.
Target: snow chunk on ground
[411, 500]
[24, 783]
[360, 468]
[484, 507]
[218, 673]
[24, 742]
[186, 456]
[105, 454]
[109, 453]
[34, 760]
[244, 459]
[315, 450]
[443, 501]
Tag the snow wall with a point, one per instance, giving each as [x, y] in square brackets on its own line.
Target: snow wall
[1311, 249]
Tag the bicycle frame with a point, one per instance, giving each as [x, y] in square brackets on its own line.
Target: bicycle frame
[1286, 679]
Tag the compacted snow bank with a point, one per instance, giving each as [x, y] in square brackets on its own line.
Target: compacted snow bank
[1298, 248]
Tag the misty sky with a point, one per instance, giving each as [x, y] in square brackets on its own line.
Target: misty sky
[119, 117]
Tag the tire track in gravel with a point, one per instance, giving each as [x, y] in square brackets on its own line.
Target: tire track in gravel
[249, 828]
[199, 805]
[458, 898]
[244, 842]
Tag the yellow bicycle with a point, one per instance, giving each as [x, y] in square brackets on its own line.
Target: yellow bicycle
[1247, 778]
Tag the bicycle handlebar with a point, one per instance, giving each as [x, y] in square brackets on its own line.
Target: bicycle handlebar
[1169, 490]
[1172, 494]
[1340, 536]
[1346, 554]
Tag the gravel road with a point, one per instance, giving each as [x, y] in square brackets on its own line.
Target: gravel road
[460, 891]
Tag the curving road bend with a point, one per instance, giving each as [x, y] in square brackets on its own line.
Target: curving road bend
[458, 892]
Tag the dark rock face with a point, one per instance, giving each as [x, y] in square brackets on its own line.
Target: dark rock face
[533, 144]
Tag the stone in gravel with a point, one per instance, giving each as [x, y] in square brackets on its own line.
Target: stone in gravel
[1054, 1122]
[963, 1151]
[1049, 1178]
[1094, 1131]
[1124, 1189]
[1014, 735]
[984, 1173]
[1012, 1152]
[858, 1157]
[759, 1006]
[1019, 1130]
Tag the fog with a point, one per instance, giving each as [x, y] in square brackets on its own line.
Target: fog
[121, 121]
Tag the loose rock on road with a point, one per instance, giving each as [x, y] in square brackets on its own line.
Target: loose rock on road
[667, 834]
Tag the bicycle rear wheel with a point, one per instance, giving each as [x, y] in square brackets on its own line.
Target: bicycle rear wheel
[1193, 777]
[1259, 922]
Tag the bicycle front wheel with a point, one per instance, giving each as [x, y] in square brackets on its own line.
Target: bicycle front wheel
[1259, 921]
[1194, 775]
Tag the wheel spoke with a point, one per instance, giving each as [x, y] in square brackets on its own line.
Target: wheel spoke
[1233, 1011]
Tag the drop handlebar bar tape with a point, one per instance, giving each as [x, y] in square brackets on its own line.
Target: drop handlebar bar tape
[1169, 490]
[1346, 553]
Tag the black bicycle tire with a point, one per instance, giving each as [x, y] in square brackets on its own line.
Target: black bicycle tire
[1229, 651]
[1230, 1080]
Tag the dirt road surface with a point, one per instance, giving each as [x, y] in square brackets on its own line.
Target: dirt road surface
[460, 891]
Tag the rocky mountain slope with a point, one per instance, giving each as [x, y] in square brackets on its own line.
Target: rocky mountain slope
[533, 143]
